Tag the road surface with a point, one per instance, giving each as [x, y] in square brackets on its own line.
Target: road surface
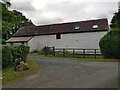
[63, 73]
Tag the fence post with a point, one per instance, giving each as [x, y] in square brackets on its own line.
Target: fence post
[53, 50]
[63, 52]
[45, 50]
[73, 53]
[83, 53]
[95, 53]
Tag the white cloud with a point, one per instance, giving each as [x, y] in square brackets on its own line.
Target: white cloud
[21, 0]
[45, 21]
[55, 11]
[23, 6]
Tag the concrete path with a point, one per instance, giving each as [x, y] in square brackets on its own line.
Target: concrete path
[63, 73]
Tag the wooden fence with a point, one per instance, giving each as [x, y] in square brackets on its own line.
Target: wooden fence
[74, 52]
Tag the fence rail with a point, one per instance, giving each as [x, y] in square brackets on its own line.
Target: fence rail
[74, 52]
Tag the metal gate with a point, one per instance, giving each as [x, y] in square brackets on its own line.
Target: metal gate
[49, 50]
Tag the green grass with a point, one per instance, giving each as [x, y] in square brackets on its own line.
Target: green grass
[96, 60]
[9, 73]
[33, 54]
[90, 59]
[0, 77]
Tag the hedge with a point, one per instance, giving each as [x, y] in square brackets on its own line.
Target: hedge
[6, 56]
[20, 51]
[12, 52]
[110, 44]
[0, 56]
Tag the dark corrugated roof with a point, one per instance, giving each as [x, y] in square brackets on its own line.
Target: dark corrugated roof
[85, 26]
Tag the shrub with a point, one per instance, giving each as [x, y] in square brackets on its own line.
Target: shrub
[41, 52]
[3, 41]
[110, 44]
[47, 50]
[20, 51]
[24, 51]
[0, 56]
[22, 66]
[25, 64]
[6, 56]
[13, 52]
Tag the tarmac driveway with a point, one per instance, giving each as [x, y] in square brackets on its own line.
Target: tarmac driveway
[63, 73]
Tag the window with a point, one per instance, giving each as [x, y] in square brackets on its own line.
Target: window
[77, 28]
[58, 36]
[95, 26]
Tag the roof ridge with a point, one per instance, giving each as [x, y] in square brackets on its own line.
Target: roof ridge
[73, 22]
[64, 23]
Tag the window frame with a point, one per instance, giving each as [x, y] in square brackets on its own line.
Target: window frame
[95, 26]
[58, 36]
[77, 28]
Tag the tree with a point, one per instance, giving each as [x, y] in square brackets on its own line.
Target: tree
[110, 44]
[7, 3]
[115, 22]
[12, 21]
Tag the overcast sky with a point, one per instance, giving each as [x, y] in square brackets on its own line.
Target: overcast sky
[57, 11]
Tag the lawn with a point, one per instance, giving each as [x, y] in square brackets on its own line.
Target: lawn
[88, 58]
[9, 73]
[33, 54]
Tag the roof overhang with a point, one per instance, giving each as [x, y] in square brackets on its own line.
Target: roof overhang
[18, 39]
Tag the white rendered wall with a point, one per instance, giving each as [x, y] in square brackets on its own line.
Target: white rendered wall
[32, 45]
[89, 40]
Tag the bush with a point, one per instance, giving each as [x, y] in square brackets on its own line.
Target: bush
[110, 44]
[41, 52]
[13, 52]
[0, 56]
[47, 50]
[3, 41]
[22, 66]
[24, 51]
[6, 56]
[19, 51]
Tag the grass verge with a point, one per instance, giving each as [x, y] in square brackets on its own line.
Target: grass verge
[33, 54]
[88, 58]
[98, 59]
[9, 73]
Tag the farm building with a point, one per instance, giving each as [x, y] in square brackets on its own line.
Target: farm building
[82, 34]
